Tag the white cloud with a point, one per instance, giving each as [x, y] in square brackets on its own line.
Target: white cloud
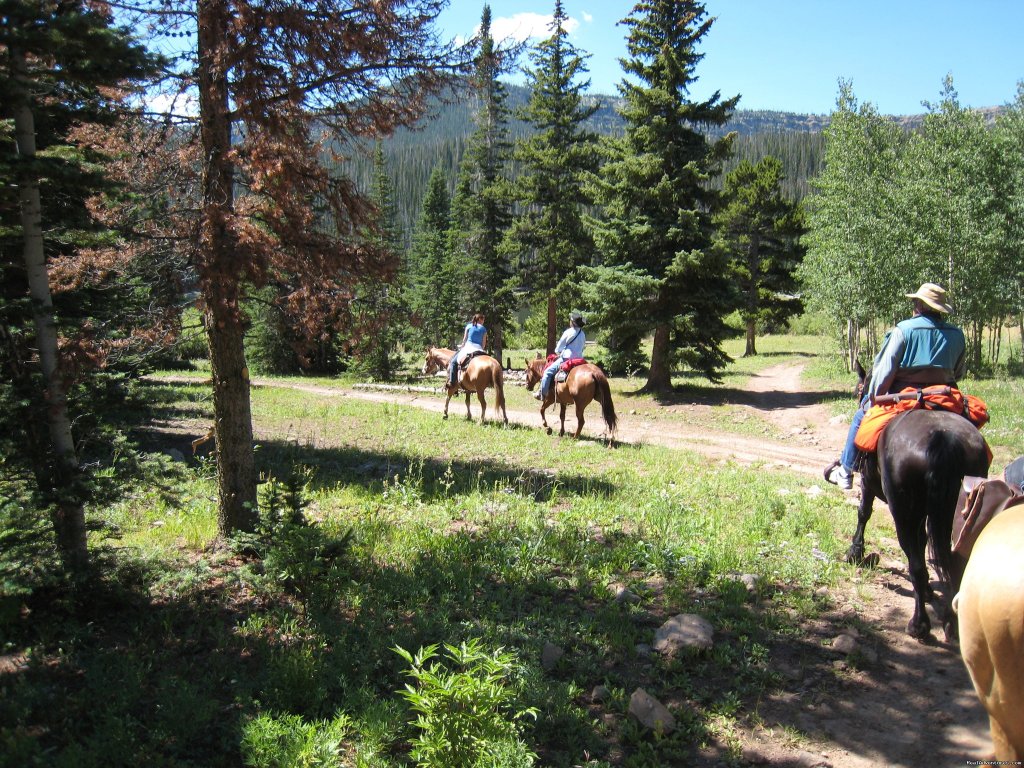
[523, 26]
[587, 17]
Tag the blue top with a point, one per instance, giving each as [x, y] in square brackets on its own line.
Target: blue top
[921, 351]
[571, 343]
[475, 334]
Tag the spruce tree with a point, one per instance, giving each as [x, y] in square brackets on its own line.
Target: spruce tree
[482, 206]
[759, 229]
[432, 289]
[654, 188]
[384, 314]
[549, 234]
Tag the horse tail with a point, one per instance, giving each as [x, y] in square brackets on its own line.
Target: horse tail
[498, 374]
[604, 394]
[947, 461]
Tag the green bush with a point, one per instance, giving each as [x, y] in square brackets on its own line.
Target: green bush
[297, 555]
[467, 717]
[288, 741]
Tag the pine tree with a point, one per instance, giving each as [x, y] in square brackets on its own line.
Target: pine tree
[760, 230]
[482, 206]
[432, 286]
[273, 80]
[655, 192]
[550, 234]
[63, 70]
[384, 307]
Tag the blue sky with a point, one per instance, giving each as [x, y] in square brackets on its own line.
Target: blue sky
[790, 54]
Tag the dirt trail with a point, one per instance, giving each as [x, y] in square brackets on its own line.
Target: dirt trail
[895, 702]
[812, 438]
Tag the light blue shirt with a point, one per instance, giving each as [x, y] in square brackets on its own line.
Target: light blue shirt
[571, 343]
[475, 334]
[920, 351]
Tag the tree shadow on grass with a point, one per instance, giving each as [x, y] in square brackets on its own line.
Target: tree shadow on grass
[168, 663]
[697, 393]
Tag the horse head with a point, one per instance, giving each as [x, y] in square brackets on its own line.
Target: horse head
[534, 370]
[431, 364]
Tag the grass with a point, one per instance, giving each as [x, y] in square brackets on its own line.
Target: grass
[280, 650]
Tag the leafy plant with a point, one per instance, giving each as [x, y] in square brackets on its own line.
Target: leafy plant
[289, 741]
[467, 716]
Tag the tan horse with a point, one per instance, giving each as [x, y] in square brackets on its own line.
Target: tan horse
[584, 383]
[482, 372]
[990, 605]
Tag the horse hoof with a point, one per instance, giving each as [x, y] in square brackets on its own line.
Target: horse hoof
[549, 430]
[920, 631]
[951, 632]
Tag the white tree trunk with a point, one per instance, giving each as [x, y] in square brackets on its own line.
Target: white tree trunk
[69, 512]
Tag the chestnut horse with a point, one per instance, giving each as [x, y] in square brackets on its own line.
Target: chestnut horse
[482, 372]
[922, 458]
[584, 383]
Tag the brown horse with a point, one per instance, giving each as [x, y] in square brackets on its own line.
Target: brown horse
[584, 383]
[482, 372]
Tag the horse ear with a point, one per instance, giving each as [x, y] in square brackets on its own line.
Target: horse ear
[861, 373]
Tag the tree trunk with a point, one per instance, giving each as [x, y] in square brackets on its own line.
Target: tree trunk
[499, 341]
[236, 472]
[236, 464]
[68, 513]
[659, 378]
[852, 345]
[751, 348]
[552, 323]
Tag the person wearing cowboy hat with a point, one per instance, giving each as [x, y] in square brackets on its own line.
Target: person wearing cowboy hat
[569, 345]
[922, 351]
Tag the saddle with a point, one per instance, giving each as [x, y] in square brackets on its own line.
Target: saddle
[568, 365]
[979, 502]
[885, 408]
[465, 361]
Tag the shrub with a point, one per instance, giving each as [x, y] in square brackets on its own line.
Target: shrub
[290, 742]
[297, 554]
[467, 717]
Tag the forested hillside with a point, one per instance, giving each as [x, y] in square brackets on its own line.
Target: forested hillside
[440, 141]
[794, 138]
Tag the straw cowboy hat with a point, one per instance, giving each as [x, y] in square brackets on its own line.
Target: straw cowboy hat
[934, 296]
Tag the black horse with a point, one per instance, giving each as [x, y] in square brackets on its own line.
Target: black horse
[922, 457]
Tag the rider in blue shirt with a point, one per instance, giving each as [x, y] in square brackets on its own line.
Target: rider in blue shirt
[922, 351]
[569, 345]
[474, 339]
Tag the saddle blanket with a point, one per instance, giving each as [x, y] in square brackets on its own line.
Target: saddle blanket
[568, 365]
[979, 502]
[879, 415]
